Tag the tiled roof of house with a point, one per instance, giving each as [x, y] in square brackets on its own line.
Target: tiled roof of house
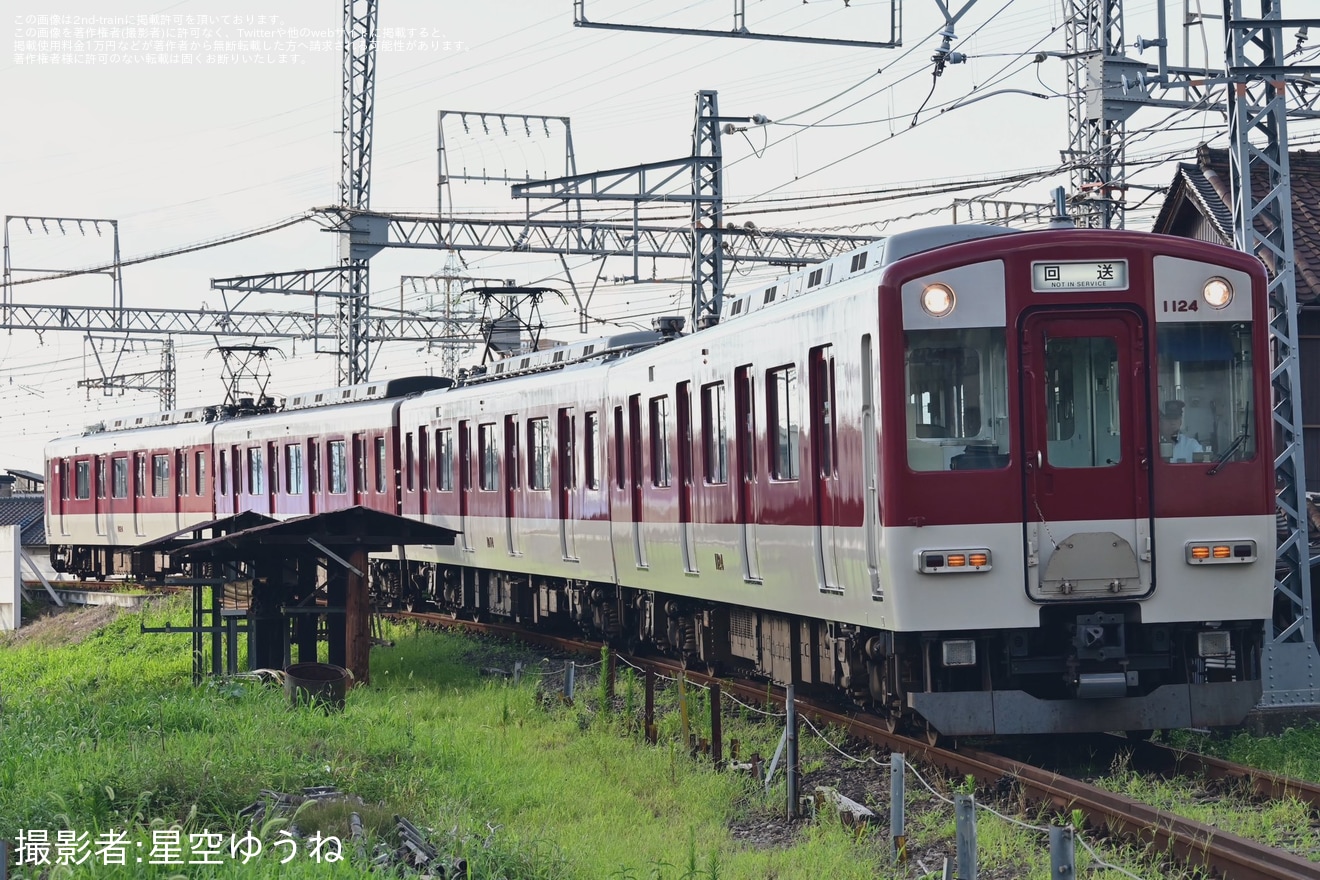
[1205, 184]
[25, 511]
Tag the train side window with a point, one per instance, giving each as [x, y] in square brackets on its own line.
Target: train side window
[119, 477]
[293, 468]
[256, 471]
[65, 488]
[822, 408]
[100, 477]
[82, 480]
[222, 471]
[488, 440]
[160, 476]
[660, 470]
[715, 433]
[620, 456]
[591, 430]
[511, 452]
[199, 473]
[538, 454]
[782, 415]
[381, 462]
[444, 460]
[140, 475]
[181, 472]
[338, 467]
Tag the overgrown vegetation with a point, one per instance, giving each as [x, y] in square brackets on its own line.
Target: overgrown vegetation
[110, 735]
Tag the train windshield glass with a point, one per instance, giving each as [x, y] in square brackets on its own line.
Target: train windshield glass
[1205, 392]
[957, 410]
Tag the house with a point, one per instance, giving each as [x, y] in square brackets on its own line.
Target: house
[23, 504]
[1199, 205]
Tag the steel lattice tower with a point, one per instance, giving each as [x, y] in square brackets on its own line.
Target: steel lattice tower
[1096, 140]
[1263, 225]
[707, 213]
[359, 94]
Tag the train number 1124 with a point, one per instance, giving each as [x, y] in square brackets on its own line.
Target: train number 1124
[1179, 305]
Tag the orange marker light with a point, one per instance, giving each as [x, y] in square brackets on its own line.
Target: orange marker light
[957, 560]
[1200, 552]
[979, 559]
[1222, 552]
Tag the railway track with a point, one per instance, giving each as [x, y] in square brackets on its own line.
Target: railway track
[1193, 843]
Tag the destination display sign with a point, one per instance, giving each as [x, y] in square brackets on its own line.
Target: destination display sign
[1059, 277]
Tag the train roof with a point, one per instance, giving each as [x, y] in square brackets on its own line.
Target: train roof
[860, 261]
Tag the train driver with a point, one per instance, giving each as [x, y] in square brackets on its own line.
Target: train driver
[1175, 446]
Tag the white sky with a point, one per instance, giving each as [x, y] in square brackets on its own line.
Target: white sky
[181, 153]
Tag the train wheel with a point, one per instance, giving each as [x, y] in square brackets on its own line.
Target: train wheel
[931, 736]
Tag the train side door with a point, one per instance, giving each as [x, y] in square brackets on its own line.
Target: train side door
[635, 475]
[272, 476]
[139, 492]
[569, 503]
[464, 481]
[423, 465]
[744, 448]
[824, 466]
[99, 501]
[313, 476]
[686, 534]
[512, 485]
[1086, 436]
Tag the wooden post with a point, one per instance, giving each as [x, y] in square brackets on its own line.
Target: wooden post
[649, 717]
[609, 676]
[336, 593]
[357, 620]
[716, 725]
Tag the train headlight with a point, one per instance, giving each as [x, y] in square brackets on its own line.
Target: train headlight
[938, 300]
[1211, 552]
[1218, 292]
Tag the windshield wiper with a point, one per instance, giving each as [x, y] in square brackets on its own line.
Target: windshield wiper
[1227, 454]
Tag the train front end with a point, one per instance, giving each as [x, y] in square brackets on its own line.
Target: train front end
[1078, 490]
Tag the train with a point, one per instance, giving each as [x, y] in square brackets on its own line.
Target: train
[939, 474]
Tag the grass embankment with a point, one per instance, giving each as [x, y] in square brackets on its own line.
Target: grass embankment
[110, 735]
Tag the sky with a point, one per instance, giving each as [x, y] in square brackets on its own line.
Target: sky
[223, 118]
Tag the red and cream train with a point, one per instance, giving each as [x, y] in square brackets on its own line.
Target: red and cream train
[929, 473]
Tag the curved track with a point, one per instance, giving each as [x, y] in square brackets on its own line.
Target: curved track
[1190, 842]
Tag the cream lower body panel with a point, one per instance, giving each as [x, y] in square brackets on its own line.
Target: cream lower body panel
[122, 529]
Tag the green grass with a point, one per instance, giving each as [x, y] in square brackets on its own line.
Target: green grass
[109, 734]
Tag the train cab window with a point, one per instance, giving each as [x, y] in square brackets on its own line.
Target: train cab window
[784, 422]
[715, 433]
[160, 476]
[100, 477]
[538, 454]
[444, 460]
[590, 443]
[256, 471]
[82, 480]
[140, 475]
[1206, 400]
[660, 441]
[957, 399]
[382, 464]
[293, 468]
[199, 473]
[1082, 428]
[338, 467]
[488, 441]
[119, 477]
[222, 471]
